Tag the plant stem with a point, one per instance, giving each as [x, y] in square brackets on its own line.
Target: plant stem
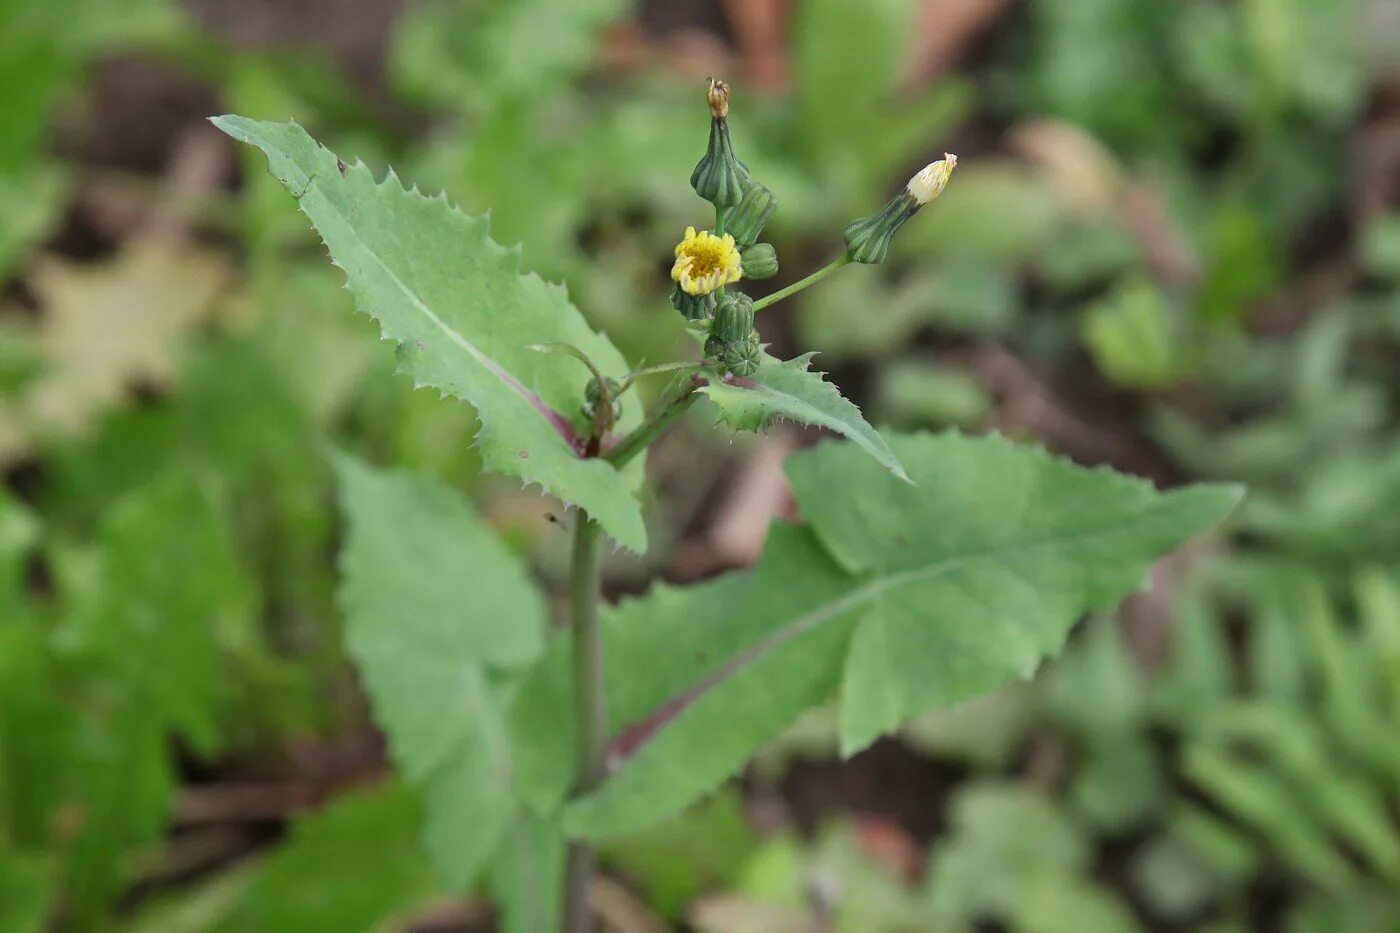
[796, 287]
[590, 712]
[590, 688]
[649, 430]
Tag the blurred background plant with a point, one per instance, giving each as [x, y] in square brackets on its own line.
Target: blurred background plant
[1173, 246]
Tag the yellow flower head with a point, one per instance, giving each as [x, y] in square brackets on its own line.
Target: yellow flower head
[704, 262]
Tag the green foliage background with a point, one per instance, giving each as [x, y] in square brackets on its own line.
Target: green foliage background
[1171, 246]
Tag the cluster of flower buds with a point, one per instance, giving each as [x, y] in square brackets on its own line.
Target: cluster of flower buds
[706, 262]
[733, 342]
[868, 239]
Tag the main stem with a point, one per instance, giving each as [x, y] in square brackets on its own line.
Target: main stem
[590, 691]
[590, 714]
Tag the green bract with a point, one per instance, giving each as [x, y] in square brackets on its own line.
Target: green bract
[760, 261]
[868, 239]
[693, 307]
[733, 318]
[746, 220]
[719, 176]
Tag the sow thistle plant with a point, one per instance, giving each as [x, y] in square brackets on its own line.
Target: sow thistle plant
[926, 569]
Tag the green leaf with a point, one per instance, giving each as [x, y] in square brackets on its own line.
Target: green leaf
[527, 876]
[26, 885]
[1001, 836]
[975, 573]
[927, 594]
[463, 55]
[1267, 804]
[464, 316]
[847, 57]
[713, 671]
[674, 862]
[1135, 337]
[430, 598]
[155, 631]
[427, 572]
[791, 390]
[349, 867]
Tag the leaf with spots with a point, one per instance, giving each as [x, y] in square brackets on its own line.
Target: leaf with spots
[464, 316]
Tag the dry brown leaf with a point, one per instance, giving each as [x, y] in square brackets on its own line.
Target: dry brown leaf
[732, 913]
[946, 30]
[106, 329]
[1078, 166]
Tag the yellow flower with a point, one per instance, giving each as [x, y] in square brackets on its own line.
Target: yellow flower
[704, 262]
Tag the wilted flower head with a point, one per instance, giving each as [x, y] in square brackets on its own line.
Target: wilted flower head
[705, 262]
[718, 98]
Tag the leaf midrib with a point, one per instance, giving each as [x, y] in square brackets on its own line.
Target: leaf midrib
[558, 422]
[639, 735]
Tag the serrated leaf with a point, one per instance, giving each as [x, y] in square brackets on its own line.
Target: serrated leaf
[978, 571]
[423, 569]
[464, 316]
[348, 867]
[431, 597]
[676, 733]
[156, 631]
[927, 594]
[790, 390]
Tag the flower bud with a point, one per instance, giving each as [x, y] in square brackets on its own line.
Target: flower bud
[746, 220]
[932, 179]
[592, 395]
[693, 307]
[733, 318]
[759, 261]
[742, 357]
[720, 177]
[868, 239]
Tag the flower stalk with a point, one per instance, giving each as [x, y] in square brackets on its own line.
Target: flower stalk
[843, 260]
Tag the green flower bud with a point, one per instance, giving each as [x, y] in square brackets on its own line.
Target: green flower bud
[714, 347]
[720, 177]
[693, 307]
[868, 239]
[742, 357]
[592, 395]
[733, 318]
[760, 261]
[745, 221]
